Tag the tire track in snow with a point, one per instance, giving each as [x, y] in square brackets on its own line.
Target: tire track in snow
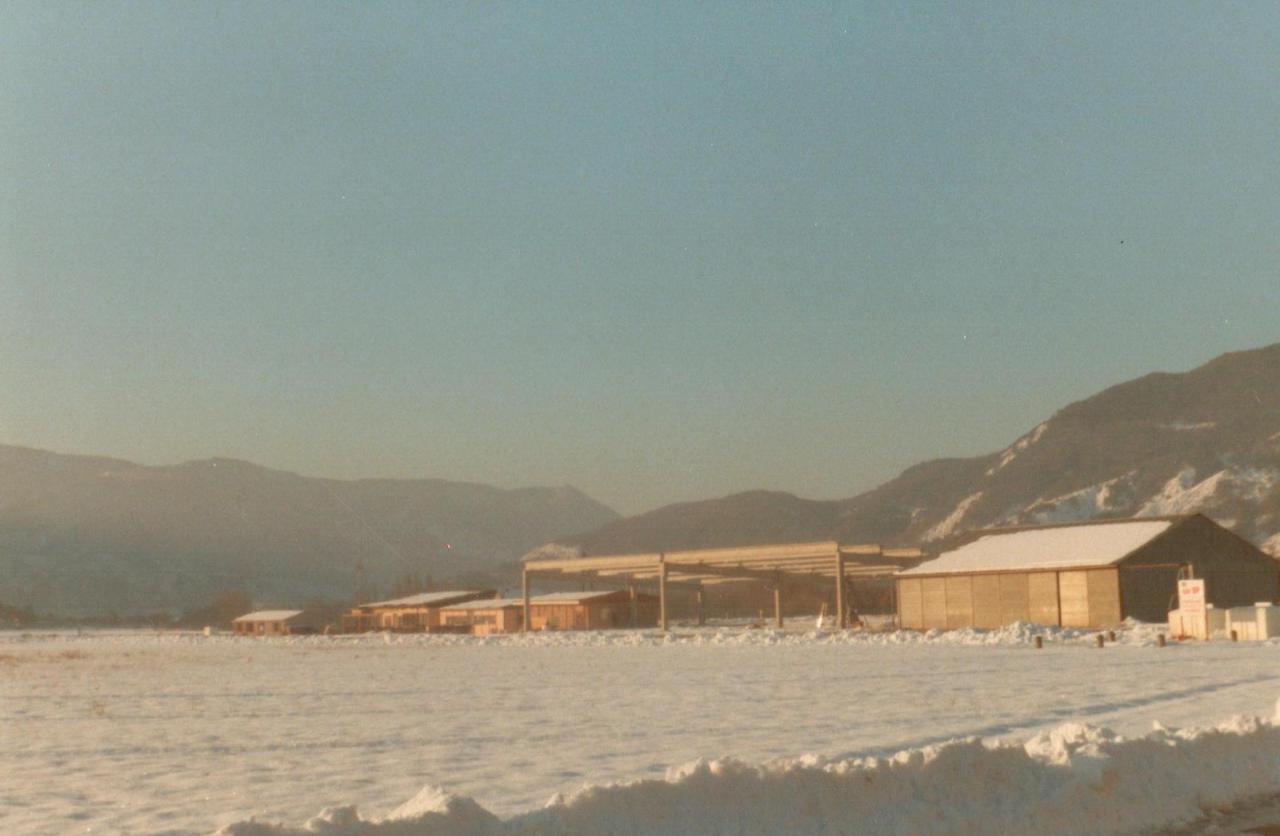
[1066, 713]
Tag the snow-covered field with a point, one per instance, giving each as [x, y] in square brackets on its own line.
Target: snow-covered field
[737, 731]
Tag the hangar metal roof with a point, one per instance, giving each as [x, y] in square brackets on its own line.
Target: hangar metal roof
[1056, 547]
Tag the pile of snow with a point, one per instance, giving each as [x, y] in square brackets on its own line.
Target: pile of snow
[801, 631]
[1075, 778]
[1021, 633]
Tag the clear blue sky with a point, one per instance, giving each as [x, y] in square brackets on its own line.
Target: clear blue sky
[657, 251]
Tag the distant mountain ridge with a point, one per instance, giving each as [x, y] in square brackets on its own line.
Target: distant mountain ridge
[91, 535]
[1206, 440]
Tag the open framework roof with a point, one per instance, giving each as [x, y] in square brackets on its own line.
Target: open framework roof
[790, 560]
[486, 604]
[429, 599]
[823, 562]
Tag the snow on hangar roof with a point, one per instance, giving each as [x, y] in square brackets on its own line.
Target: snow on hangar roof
[1054, 547]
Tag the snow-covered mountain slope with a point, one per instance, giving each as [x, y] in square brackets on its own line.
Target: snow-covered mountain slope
[1206, 440]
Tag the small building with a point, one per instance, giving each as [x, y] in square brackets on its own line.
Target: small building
[1093, 574]
[274, 623]
[592, 610]
[484, 617]
[411, 614]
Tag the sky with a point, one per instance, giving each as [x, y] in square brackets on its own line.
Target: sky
[658, 251]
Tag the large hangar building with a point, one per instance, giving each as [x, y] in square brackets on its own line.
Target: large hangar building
[1093, 574]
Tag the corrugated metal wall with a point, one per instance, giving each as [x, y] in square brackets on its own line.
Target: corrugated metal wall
[1073, 598]
[910, 604]
[935, 603]
[1015, 601]
[1042, 597]
[986, 601]
[959, 602]
[1104, 597]
[1083, 598]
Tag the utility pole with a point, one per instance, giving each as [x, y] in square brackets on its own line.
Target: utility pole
[358, 592]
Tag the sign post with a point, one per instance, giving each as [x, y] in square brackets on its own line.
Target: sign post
[1191, 602]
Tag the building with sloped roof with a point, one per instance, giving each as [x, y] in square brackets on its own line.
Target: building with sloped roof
[274, 623]
[1093, 574]
[411, 614]
[592, 610]
[484, 617]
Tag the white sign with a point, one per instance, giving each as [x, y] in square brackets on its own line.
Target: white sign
[1191, 596]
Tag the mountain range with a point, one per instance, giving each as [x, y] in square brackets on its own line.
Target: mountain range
[1205, 440]
[89, 535]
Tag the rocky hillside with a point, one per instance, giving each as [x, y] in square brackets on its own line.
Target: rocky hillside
[1204, 440]
[85, 535]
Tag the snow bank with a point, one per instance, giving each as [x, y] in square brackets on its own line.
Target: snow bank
[1073, 779]
[801, 631]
